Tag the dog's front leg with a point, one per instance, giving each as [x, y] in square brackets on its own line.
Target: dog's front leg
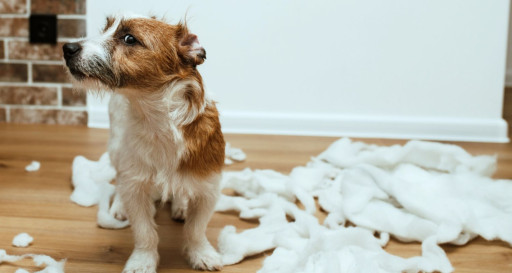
[198, 250]
[140, 210]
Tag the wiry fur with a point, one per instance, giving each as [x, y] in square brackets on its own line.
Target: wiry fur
[165, 138]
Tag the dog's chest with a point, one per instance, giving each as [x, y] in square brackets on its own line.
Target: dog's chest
[156, 147]
[161, 150]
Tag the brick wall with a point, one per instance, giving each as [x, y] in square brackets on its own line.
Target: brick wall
[33, 84]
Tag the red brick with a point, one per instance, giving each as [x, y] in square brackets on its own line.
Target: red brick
[3, 114]
[49, 73]
[29, 95]
[10, 72]
[71, 28]
[23, 50]
[72, 97]
[2, 49]
[13, 6]
[48, 116]
[58, 6]
[13, 27]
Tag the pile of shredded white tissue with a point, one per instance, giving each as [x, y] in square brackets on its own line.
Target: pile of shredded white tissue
[427, 192]
[23, 240]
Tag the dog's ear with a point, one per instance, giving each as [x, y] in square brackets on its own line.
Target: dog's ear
[190, 49]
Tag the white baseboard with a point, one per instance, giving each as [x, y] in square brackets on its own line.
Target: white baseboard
[98, 117]
[453, 129]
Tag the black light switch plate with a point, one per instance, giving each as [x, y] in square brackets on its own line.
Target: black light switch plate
[43, 28]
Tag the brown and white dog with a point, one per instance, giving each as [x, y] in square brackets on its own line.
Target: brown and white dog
[165, 137]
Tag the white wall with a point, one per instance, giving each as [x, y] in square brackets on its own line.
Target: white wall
[396, 68]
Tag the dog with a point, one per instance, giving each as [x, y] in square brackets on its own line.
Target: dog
[165, 136]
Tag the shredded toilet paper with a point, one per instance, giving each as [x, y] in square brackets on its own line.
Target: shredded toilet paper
[33, 166]
[22, 240]
[233, 154]
[50, 265]
[89, 178]
[423, 191]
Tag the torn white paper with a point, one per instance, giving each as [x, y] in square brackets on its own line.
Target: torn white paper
[91, 180]
[22, 240]
[50, 265]
[33, 166]
[233, 154]
[88, 179]
[428, 192]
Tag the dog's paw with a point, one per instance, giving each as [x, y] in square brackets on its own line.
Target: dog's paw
[117, 209]
[204, 258]
[178, 212]
[119, 215]
[179, 208]
[141, 261]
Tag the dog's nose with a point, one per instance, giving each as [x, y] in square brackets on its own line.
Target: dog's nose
[71, 49]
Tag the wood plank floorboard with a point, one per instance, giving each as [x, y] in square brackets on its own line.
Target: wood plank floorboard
[38, 203]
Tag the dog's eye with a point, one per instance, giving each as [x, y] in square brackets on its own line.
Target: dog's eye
[129, 39]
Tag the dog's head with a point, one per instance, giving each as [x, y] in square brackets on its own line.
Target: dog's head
[134, 52]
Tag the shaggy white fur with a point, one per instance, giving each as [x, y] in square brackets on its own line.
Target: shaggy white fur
[427, 192]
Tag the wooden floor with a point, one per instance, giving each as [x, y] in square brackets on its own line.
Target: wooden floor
[38, 202]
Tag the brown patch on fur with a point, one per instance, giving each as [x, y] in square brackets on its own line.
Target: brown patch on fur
[108, 24]
[205, 145]
[194, 97]
[155, 59]
[189, 51]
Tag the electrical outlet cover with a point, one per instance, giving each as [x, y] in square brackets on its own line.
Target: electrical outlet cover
[43, 28]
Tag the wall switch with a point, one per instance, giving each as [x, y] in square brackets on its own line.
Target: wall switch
[43, 28]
